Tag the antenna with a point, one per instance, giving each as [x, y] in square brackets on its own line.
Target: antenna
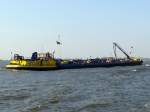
[11, 55]
[58, 37]
[131, 50]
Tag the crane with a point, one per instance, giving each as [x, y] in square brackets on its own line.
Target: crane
[115, 45]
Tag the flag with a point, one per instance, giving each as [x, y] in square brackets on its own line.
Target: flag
[58, 43]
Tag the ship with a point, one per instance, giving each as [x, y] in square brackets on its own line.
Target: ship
[38, 61]
[101, 62]
[47, 61]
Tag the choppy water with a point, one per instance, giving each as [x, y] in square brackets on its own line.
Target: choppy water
[118, 89]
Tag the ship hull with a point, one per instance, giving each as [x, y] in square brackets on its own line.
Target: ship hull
[78, 66]
[35, 68]
[32, 65]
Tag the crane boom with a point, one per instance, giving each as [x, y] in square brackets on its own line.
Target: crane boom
[116, 45]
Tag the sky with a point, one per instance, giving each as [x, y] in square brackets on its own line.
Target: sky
[86, 27]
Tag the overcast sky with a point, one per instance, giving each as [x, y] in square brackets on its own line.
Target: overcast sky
[86, 27]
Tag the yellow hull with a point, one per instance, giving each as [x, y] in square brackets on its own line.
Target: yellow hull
[32, 65]
[18, 67]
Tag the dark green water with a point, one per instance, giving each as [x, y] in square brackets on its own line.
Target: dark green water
[118, 89]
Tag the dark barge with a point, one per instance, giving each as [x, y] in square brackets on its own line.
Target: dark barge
[100, 62]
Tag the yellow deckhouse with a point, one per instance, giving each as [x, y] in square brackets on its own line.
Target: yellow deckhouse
[38, 61]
